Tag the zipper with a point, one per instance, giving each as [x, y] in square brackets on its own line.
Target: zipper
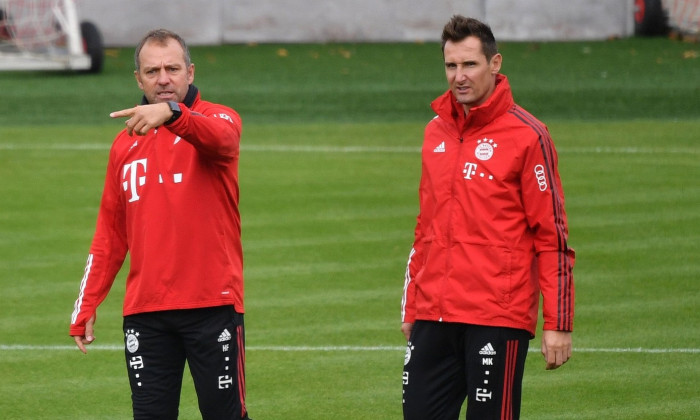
[449, 236]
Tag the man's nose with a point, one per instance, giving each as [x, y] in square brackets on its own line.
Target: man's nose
[163, 77]
[461, 75]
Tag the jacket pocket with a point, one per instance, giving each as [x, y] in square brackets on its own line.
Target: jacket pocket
[485, 272]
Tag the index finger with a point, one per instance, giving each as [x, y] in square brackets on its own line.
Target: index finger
[129, 112]
[79, 343]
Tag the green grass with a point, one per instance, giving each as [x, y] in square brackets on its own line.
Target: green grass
[299, 83]
[329, 173]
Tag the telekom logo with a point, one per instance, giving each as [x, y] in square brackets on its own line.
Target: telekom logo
[134, 175]
[469, 170]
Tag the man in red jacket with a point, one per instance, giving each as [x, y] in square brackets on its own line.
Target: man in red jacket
[171, 201]
[491, 237]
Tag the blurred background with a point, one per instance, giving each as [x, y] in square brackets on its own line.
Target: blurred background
[224, 21]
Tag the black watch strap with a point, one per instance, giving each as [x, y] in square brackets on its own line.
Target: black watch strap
[175, 108]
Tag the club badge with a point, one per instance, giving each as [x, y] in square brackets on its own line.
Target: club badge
[132, 341]
[484, 149]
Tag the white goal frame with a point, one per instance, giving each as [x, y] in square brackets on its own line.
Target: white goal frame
[40, 47]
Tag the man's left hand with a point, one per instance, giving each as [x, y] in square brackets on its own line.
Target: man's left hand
[556, 348]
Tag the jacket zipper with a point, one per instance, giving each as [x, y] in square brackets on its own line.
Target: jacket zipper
[448, 260]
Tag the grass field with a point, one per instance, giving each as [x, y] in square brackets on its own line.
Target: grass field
[329, 172]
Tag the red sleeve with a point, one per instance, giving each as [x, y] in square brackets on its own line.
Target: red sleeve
[107, 253]
[216, 132]
[543, 199]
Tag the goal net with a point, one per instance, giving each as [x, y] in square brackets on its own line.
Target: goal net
[46, 35]
[684, 15]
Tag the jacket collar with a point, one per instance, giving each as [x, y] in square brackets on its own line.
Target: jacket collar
[500, 101]
[190, 98]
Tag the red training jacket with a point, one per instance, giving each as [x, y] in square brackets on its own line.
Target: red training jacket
[491, 234]
[171, 200]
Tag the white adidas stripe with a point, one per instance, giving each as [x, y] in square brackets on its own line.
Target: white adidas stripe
[79, 302]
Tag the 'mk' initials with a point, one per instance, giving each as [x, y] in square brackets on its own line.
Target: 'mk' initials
[131, 177]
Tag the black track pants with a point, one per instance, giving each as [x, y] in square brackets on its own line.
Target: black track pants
[211, 340]
[447, 363]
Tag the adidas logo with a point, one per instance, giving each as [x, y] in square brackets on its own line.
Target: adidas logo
[440, 148]
[224, 336]
[487, 350]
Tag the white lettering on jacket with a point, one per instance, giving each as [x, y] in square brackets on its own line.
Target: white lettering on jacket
[134, 178]
[469, 170]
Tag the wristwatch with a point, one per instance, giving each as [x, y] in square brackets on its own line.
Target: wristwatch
[175, 108]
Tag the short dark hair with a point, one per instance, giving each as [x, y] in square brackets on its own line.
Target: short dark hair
[460, 27]
[161, 36]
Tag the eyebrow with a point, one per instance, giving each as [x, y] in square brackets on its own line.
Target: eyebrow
[157, 66]
[470, 61]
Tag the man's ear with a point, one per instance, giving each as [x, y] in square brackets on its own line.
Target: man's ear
[190, 74]
[137, 76]
[495, 64]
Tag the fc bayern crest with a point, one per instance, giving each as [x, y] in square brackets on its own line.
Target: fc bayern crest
[484, 149]
[132, 341]
[407, 356]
